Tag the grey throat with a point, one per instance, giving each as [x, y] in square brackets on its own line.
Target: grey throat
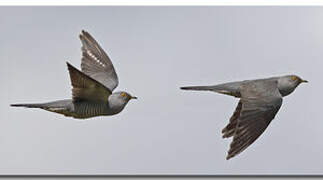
[260, 100]
[92, 92]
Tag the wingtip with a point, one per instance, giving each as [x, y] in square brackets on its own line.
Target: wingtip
[70, 66]
[82, 34]
[229, 156]
[85, 34]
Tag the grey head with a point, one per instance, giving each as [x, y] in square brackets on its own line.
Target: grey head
[98, 78]
[260, 100]
[287, 84]
[118, 100]
[92, 86]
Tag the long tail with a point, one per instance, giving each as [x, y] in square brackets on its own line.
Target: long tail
[231, 89]
[60, 106]
[28, 105]
[198, 88]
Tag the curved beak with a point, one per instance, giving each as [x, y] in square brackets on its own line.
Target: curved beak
[133, 97]
[304, 81]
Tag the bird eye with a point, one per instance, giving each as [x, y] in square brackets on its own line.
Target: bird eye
[294, 78]
[123, 94]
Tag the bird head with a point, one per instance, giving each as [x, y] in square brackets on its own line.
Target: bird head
[287, 84]
[121, 97]
[118, 100]
[125, 96]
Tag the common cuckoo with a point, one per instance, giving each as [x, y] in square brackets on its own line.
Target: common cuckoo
[260, 100]
[92, 92]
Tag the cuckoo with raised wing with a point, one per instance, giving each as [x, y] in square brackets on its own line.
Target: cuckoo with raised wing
[92, 92]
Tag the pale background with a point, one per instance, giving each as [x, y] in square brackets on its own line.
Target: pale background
[155, 50]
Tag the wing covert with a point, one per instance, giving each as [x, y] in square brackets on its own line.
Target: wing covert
[85, 87]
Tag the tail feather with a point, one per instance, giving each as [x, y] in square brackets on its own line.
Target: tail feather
[198, 88]
[27, 105]
[231, 89]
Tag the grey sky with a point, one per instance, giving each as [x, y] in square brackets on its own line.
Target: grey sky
[155, 50]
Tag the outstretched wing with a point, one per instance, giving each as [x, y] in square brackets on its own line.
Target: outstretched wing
[260, 101]
[85, 87]
[96, 63]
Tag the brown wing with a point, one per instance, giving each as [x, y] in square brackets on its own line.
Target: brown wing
[85, 87]
[260, 101]
[96, 63]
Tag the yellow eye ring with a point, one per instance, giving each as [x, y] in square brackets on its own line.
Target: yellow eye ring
[123, 94]
[294, 78]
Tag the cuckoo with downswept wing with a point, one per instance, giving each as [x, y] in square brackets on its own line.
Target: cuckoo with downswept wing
[260, 100]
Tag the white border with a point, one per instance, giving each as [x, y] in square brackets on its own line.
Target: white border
[162, 2]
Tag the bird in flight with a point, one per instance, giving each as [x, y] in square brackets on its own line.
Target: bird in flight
[260, 100]
[92, 92]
